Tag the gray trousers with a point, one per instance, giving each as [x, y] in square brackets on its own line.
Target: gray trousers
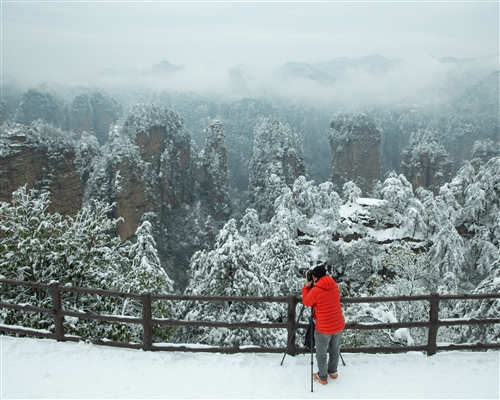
[327, 353]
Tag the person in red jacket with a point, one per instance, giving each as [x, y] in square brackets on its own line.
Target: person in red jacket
[323, 294]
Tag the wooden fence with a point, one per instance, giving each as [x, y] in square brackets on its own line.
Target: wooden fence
[291, 325]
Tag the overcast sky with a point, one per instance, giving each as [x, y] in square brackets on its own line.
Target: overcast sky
[46, 40]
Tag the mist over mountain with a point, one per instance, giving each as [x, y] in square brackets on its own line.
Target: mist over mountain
[357, 82]
[162, 69]
[349, 82]
[338, 69]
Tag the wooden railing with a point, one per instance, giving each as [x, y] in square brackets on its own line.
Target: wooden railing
[291, 325]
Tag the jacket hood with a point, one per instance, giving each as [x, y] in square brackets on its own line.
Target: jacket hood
[325, 283]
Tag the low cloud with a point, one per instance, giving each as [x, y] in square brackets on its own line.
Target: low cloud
[420, 79]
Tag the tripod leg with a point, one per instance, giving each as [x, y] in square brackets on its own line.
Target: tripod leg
[342, 358]
[293, 333]
[311, 345]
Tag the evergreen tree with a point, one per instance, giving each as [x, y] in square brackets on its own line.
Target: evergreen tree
[45, 247]
[328, 205]
[434, 214]
[251, 227]
[228, 270]
[147, 276]
[425, 161]
[299, 203]
[280, 260]
[397, 194]
[416, 218]
[350, 192]
[482, 309]
[88, 152]
[446, 257]
[484, 150]
[358, 263]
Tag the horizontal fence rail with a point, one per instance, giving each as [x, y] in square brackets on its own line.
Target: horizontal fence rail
[291, 325]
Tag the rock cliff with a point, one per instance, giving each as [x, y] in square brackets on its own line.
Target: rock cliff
[146, 169]
[43, 158]
[355, 142]
[94, 112]
[44, 105]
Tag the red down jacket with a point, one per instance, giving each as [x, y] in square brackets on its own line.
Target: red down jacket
[324, 296]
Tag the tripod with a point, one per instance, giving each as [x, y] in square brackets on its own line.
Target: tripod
[309, 342]
[292, 337]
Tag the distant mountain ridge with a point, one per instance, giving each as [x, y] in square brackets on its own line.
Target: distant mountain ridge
[332, 71]
[163, 68]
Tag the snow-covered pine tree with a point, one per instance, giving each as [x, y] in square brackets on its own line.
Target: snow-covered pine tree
[30, 242]
[434, 216]
[481, 252]
[465, 177]
[294, 206]
[251, 228]
[43, 247]
[350, 192]
[328, 205]
[397, 194]
[280, 258]
[416, 221]
[147, 276]
[484, 150]
[358, 262]
[446, 258]
[81, 251]
[88, 151]
[228, 270]
[425, 162]
[482, 309]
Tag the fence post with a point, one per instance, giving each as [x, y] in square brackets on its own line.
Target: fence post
[56, 311]
[146, 322]
[433, 327]
[290, 326]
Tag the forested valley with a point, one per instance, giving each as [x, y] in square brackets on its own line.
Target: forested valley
[135, 189]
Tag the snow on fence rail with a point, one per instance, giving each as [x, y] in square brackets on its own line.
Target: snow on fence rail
[147, 321]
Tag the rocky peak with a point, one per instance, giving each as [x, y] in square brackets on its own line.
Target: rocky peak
[44, 105]
[94, 112]
[355, 142]
[214, 180]
[147, 168]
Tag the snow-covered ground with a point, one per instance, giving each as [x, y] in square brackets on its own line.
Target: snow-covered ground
[42, 368]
